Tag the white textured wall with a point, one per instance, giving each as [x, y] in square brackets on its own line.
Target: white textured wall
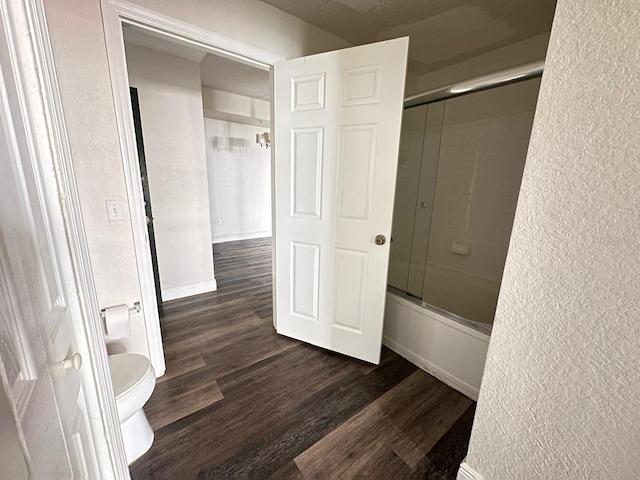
[170, 99]
[77, 39]
[79, 52]
[239, 173]
[561, 391]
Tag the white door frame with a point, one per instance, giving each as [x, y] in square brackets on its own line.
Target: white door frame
[115, 13]
[30, 42]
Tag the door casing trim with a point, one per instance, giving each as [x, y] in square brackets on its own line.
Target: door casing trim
[116, 13]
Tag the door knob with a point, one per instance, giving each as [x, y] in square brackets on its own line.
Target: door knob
[74, 361]
[147, 219]
[380, 240]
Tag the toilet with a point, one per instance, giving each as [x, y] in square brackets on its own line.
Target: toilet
[133, 380]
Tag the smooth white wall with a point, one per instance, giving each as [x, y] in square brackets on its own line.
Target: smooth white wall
[236, 108]
[170, 99]
[560, 396]
[239, 173]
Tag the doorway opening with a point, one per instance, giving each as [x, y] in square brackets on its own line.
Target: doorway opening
[202, 136]
[182, 40]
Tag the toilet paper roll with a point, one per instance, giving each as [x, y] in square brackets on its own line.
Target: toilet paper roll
[117, 322]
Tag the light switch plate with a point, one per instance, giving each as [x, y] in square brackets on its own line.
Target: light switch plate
[115, 211]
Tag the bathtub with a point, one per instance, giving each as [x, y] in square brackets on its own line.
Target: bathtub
[450, 348]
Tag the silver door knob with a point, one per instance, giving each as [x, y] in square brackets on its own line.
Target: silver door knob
[148, 220]
[74, 361]
[380, 240]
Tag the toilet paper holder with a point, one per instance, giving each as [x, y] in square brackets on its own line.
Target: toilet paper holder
[136, 309]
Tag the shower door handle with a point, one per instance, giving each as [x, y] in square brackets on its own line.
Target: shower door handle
[380, 240]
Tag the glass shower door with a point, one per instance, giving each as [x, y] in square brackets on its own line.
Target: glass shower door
[455, 204]
[407, 183]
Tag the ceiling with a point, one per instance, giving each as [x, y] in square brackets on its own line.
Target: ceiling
[443, 32]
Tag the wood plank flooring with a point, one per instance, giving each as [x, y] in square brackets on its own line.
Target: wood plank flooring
[239, 401]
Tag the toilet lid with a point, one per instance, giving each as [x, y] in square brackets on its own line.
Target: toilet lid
[127, 370]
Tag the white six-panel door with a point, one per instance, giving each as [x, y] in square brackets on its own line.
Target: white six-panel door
[337, 131]
[38, 295]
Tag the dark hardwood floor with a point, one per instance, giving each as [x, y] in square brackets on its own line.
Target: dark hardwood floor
[239, 401]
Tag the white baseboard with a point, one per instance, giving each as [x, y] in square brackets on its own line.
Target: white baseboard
[173, 293]
[465, 472]
[432, 369]
[241, 236]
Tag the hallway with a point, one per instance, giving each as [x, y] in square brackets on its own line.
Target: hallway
[239, 401]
